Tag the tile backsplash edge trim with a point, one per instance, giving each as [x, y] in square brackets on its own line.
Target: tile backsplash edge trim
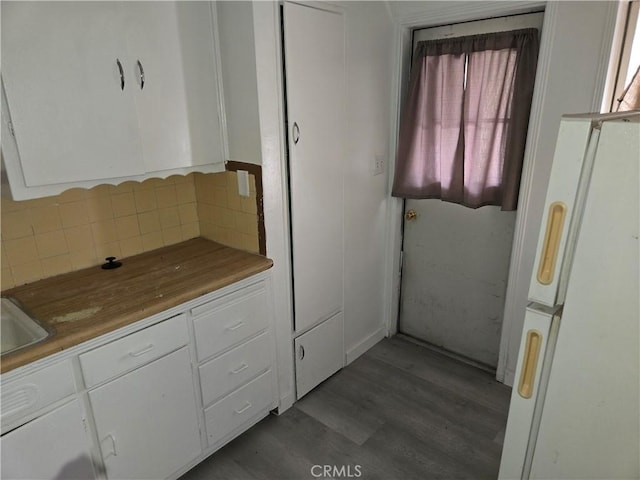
[256, 171]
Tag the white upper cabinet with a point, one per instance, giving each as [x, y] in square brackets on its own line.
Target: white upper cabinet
[102, 92]
[71, 118]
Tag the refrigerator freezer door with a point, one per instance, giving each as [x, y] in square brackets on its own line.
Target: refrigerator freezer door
[573, 157]
[591, 419]
[527, 396]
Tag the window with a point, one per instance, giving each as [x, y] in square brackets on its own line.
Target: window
[627, 94]
[464, 123]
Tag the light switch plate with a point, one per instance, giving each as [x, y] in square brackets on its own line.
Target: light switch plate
[243, 183]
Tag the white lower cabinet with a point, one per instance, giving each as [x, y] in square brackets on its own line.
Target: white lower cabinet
[147, 402]
[235, 368]
[224, 416]
[236, 353]
[53, 445]
[319, 354]
[146, 420]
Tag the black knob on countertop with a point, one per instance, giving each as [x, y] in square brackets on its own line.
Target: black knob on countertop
[111, 263]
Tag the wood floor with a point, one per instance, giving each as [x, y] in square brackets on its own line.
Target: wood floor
[400, 411]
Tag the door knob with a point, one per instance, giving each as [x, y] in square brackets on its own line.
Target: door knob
[410, 215]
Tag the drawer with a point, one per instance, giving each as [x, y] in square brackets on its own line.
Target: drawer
[227, 372]
[232, 411]
[24, 396]
[133, 350]
[230, 320]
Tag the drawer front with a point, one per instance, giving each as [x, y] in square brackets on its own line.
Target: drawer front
[227, 372]
[22, 397]
[134, 350]
[229, 413]
[230, 320]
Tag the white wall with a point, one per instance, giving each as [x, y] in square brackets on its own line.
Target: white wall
[368, 55]
[574, 54]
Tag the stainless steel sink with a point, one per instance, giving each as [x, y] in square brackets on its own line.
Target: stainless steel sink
[17, 328]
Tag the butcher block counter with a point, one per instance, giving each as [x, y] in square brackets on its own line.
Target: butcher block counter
[82, 305]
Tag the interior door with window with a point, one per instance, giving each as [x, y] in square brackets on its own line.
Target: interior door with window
[456, 259]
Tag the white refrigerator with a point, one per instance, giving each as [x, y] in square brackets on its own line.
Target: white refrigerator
[575, 404]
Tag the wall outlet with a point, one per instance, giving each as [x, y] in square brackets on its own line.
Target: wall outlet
[378, 164]
[243, 183]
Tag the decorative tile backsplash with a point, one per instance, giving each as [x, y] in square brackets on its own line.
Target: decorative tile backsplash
[225, 216]
[79, 228]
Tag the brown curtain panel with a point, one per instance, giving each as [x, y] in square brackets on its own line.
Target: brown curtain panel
[465, 119]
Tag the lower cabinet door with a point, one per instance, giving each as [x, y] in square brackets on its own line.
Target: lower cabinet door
[52, 446]
[146, 420]
[319, 354]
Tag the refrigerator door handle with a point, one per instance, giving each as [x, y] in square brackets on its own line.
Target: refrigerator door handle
[530, 363]
[551, 246]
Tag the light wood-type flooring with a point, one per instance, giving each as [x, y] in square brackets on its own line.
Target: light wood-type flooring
[399, 412]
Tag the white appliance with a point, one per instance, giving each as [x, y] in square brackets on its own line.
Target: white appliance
[575, 405]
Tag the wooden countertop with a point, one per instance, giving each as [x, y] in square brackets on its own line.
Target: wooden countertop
[88, 303]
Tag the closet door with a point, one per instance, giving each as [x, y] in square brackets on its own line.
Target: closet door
[315, 82]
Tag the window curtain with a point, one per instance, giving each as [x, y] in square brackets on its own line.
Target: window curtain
[465, 118]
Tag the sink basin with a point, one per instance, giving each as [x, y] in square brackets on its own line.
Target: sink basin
[17, 329]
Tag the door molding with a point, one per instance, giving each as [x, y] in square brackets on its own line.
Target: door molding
[455, 13]
[270, 83]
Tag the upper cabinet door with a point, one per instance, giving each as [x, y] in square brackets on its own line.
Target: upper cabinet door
[200, 63]
[69, 90]
[158, 83]
[171, 52]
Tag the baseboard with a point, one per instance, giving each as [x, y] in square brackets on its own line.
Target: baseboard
[364, 345]
[443, 351]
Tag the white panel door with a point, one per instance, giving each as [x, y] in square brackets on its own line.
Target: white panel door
[315, 79]
[52, 446]
[591, 419]
[319, 354]
[454, 276]
[146, 420]
[64, 88]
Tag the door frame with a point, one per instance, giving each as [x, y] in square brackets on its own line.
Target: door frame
[456, 13]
